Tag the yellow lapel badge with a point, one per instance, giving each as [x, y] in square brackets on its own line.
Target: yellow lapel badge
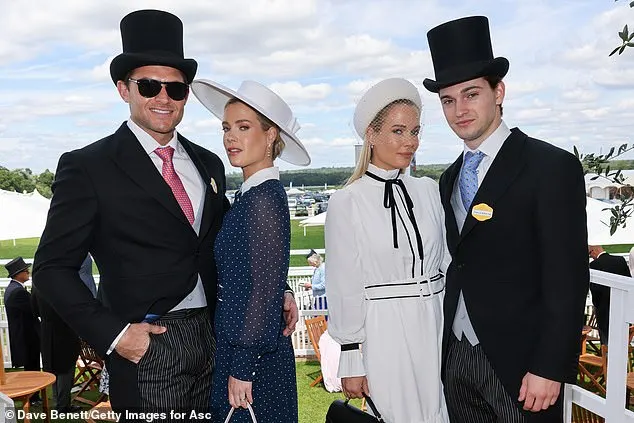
[482, 212]
[214, 186]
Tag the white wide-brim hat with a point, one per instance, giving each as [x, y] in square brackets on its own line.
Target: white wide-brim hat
[214, 97]
[379, 96]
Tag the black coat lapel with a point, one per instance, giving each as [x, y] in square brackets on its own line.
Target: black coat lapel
[507, 165]
[207, 217]
[447, 182]
[129, 155]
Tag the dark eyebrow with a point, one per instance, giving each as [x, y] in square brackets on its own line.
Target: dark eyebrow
[464, 90]
[224, 122]
[471, 87]
[398, 125]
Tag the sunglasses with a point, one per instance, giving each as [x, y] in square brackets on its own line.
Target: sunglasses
[149, 88]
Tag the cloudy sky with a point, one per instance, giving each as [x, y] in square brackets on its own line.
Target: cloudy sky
[320, 55]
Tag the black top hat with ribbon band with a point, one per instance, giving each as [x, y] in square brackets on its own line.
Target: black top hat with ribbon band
[151, 37]
[461, 50]
[16, 266]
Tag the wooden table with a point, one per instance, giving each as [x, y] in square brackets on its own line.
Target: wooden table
[21, 386]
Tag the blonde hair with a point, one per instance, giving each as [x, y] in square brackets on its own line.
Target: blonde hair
[366, 152]
[265, 124]
[316, 258]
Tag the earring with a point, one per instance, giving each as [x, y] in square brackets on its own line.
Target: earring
[269, 153]
[371, 146]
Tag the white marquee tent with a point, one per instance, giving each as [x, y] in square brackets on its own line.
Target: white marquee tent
[318, 220]
[598, 225]
[22, 215]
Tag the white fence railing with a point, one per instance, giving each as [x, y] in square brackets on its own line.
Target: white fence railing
[296, 277]
[612, 407]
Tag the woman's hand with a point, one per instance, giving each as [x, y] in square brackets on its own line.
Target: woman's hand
[355, 387]
[239, 392]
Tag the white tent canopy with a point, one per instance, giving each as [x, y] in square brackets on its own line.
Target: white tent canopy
[598, 225]
[22, 215]
[294, 191]
[318, 220]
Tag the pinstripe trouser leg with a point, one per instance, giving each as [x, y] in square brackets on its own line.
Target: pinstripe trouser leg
[473, 392]
[175, 373]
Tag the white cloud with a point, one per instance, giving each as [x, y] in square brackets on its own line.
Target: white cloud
[295, 92]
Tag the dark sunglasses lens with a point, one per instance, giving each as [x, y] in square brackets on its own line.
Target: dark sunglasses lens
[149, 88]
[177, 90]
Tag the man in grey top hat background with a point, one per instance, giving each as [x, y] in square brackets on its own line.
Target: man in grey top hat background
[516, 230]
[147, 204]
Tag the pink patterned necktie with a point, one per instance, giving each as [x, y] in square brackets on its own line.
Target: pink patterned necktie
[172, 179]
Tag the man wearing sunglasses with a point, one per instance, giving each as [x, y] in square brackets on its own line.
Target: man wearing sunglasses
[147, 204]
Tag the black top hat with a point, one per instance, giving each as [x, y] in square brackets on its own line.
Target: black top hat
[312, 253]
[151, 37]
[16, 266]
[461, 50]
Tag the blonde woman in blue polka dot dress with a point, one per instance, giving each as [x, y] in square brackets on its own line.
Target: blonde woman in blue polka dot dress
[255, 363]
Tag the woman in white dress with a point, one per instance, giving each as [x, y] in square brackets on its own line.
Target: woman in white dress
[386, 261]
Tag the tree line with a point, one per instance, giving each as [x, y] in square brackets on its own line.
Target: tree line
[24, 180]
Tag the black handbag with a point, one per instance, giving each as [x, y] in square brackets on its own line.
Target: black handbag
[342, 412]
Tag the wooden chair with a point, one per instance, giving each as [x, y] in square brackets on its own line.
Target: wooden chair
[590, 329]
[315, 328]
[90, 366]
[595, 369]
[581, 415]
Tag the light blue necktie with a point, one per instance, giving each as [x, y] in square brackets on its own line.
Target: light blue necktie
[469, 177]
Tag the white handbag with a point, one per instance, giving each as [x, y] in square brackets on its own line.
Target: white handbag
[250, 412]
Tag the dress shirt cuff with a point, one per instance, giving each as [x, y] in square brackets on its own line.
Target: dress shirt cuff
[117, 339]
[351, 364]
[244, 364]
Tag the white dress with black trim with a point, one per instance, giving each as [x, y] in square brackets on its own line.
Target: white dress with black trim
[386, 253]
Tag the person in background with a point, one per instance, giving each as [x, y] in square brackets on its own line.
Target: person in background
[318, 281]
[24, 328]
[516, 228]
[601, 260]
[386, 258]
[59, 343]
[255, 362]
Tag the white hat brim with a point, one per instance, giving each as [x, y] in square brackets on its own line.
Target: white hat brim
[214, 97]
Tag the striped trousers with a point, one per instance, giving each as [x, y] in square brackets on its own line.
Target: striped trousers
[175, 373]
[473, 392]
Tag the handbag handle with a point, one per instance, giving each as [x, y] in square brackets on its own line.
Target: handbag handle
[253, 419]
[372, 407]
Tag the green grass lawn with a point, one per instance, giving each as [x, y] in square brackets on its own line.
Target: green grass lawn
[314, 239]
[314, 402]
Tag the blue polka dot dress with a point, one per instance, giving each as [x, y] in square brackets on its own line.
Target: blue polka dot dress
[252, 254]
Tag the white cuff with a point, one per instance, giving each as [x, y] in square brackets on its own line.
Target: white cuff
[116, 340]
[351, 364]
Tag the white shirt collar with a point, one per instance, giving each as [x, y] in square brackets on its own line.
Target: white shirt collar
[259, 177]
[492, 145]
[382, 173]
[149, 144]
